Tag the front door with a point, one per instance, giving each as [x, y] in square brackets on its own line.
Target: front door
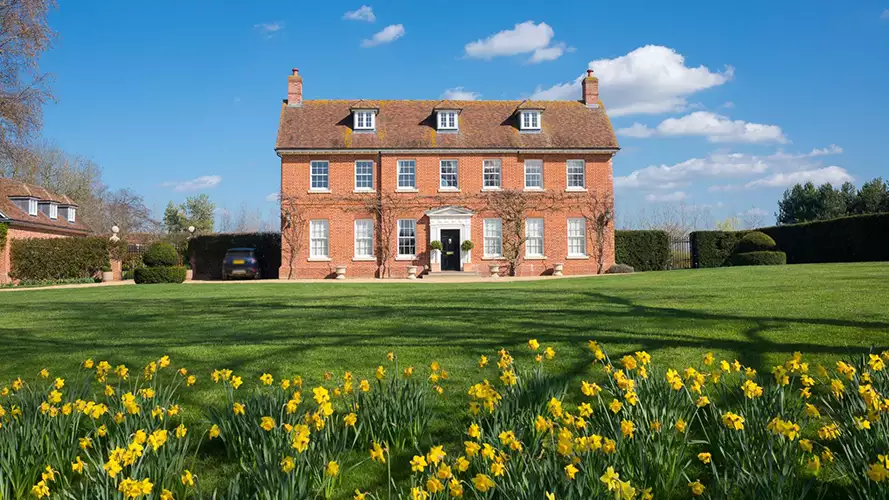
[450, 249]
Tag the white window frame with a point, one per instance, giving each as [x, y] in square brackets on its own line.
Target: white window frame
[448, 120]
[364, 119]
[372, 165]
[325, 176]
[319, 232]
[529, 120]
[53, 211]
[456, 174]
[493, 237]
[568, 174]
[579, 240]
[405, 164]
[32, 207]
[71, 214]
[499, 174]
[406, 225]
[361, 235]
[529, 238]
[534, 163]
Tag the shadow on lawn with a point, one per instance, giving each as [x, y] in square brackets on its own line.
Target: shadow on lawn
[282, 327]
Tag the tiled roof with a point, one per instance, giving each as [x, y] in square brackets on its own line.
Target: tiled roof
[14, 189]
[327, 124]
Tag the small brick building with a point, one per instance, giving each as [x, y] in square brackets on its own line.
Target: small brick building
[30, 211]
[366, 183]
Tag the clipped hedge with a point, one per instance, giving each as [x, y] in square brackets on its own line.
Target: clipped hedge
[642, 250]
[160, 254]
[206, 252]
[859, 238]
[755, 241]
[163, 274]
[759, 258]
[58, 258]
[4, 229]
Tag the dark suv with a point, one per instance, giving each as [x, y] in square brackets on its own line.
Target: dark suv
[240, 263]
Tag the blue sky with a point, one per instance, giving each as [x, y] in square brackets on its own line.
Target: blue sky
[718, 105]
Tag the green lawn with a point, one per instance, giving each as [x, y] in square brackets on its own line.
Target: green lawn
[757, 315]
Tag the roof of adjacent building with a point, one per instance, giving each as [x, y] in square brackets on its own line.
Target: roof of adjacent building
[11, 189]
[402, 124]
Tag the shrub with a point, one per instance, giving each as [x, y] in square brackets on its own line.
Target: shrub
[643, 250]
[435, 245]
[755, 241]
[58, 258]
[205, 252]
[761, 258]
[164, 274]
[619, 269]
[160, 254]
[713, 248]
[467, 246]
[4, 228]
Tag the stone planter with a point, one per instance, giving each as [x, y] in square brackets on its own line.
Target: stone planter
[411, 272]
[557, 269]
[340, 272]
[494, 269]
[189, 274]
[107, 276]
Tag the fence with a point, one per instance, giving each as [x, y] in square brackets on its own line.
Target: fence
[680, 252]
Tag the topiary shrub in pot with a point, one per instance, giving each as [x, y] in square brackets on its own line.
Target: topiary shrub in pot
[161, 260]
[757, 249]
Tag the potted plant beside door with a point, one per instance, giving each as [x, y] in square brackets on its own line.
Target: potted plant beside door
[466, 246]
[435, 247]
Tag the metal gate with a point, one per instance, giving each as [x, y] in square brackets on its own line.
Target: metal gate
[680, 253]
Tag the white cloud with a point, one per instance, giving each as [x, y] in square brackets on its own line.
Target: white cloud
[833, 149]
[832, 175]
[649, 80]
[756, 212]
[667, 197]
[273, 196]
[728, 105]
[196, 184]
[363, 13]
[885, 15]
[683, 173]
[387, 35]
[459, 94]
[716, 128]
[269, 29]
[524, 38]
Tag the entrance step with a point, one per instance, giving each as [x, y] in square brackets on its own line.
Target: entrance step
[450, 275]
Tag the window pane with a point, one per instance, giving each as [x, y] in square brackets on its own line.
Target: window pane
[407, 237]
[576, 237]
[533, 174]
[576, 173]
[449, 173]
[491, 173]
[534, 237]
[493, 237]
[407, 174]
[319, 175]
[364, 175]
[318, 238]
[364, 238]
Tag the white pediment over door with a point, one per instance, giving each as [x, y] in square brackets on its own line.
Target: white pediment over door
[450, 211]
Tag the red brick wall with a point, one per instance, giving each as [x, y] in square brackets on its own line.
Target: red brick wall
[18, 234]
[341, 214]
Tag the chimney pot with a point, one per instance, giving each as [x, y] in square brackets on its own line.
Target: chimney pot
[589, 73]
[295, 71]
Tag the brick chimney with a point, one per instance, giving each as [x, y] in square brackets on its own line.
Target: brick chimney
[295, 89]
[590, 89]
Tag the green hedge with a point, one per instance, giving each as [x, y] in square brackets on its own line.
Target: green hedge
[643, 250]
[4, 229]
[167, 274]
[160, 254]
[759, 258]
[756, 241]
[859, 238]
[207, 251]
[58, 258]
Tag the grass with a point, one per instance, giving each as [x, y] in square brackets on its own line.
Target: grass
[757, 315]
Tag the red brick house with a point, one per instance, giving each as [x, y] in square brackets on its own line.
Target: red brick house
[434, 164]
[30, 211]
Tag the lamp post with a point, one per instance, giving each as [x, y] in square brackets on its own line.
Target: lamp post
[189, 274]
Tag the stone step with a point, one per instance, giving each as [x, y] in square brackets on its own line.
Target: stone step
[449, 275]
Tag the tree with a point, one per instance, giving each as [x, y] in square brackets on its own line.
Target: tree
[728, 224]
[799, 204]
[805, 202]
[196, 211]
[513, 207]
[293, 225]
[24, 36]
[872, 198]
[385, 209]
[677, 220]
[598, 210]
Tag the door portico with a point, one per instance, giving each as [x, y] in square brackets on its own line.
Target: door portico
[451, 218]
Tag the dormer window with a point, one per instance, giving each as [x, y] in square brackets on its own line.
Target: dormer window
[26, 204]
[530, 120]
[448, 120]
[68, 213]
[50, 209]
[365, 119]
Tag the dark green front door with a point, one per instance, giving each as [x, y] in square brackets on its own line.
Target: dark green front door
[450, 252]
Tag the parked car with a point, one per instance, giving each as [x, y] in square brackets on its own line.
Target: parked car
[240, 263]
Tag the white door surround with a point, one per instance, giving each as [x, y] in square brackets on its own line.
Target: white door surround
[450, 217]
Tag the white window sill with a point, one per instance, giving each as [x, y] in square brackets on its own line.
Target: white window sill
[407, 190]
[576, 189]
[492, 257]
[492, 189]
[406, 257]
[365, 130]
[530, 129]
[319, 191]
[448, 190]
[363, 190]
[449, 129]
[364, 259]
[535, 257]
[533, 189]
[578, 257]
[318, 259]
